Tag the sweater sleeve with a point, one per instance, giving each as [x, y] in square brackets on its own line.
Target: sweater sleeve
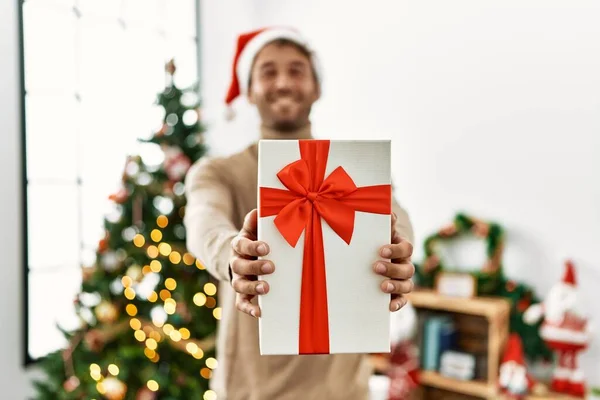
[403, 222]
[209, 218]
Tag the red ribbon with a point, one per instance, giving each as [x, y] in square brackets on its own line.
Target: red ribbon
[309, 198]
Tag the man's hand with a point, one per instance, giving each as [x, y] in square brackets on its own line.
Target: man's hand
[245, 267]
[399, 270]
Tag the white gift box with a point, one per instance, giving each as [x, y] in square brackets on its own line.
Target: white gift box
[341, 308]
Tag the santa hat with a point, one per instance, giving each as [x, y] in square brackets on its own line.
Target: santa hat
[514, 350]
[249, 45]
[569, 277]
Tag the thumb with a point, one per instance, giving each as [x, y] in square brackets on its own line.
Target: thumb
[250, 224]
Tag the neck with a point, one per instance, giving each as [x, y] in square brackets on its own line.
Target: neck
[303, 132]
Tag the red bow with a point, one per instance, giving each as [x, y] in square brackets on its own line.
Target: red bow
[311, 197]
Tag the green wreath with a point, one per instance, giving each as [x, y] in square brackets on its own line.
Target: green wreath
[489, 278]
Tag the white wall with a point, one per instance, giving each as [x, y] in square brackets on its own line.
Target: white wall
[494, 108]
[14, 380]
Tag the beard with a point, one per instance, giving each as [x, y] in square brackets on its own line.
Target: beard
[293, 122]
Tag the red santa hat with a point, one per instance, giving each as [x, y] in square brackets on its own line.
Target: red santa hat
[514, 350]
[249, 45]
[569, 276]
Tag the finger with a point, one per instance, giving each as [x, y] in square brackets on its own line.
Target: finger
[393, 227]
[397, 251]
[249, 248]
[394, 271]
[242, 266]
[397, 303]
[243, 303]
[250, 225]
[394, 286]
[245, 286]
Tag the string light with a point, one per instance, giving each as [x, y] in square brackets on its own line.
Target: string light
[155, 266]
[198, 354]
[188, 259]
[152, 297]
[168, 328]
[153, 385]
[149, 353]
[170, 306]
[211, 363]
[113, 369]
[140, 335]
[175, 336]
[152, 251]
[131, 310]
[185, 333]
[156, 235]
[210, 395]
[100, 388]
[199, 299]
[165, 294]
[162, 221]
[211, 302]
[164, 248]
[205, 373]
[191, 348]
[217, 313]
[139, 240]
[151, 344]
[135, 324]
[95, 372]
[126, 281]
[170, 284]
[210, 289]
[129, 293]
[146, 270]
[155, 358]
[156, 336]
[175, 257]
[199, 265]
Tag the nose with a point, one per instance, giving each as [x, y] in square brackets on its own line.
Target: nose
[283, 81]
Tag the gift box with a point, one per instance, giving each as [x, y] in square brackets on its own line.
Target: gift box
[324, 209]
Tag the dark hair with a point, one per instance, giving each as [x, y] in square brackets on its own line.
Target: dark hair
[282, 42]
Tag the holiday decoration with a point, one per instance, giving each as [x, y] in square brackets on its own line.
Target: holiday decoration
[490, 278]
[142, 335]
[514, 381]
[566, 330]
[302, 193]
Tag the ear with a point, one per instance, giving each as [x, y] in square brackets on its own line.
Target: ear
[250, 95]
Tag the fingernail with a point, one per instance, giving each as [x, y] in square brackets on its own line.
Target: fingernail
[386, 252]
[260, 288]
[380, 268]
[389, 287]
[398, 305]
[267, 268]
[253, 313]
[262, 249]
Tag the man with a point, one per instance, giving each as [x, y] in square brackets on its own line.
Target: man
[279, 74]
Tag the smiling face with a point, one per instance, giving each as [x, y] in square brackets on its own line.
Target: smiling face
[283, 86]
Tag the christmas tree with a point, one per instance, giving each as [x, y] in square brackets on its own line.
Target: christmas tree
[147, 306]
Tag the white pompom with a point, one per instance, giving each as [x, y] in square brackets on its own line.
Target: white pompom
[229, 113]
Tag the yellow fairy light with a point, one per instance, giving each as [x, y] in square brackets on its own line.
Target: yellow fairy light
[211, 363]
[191, 348]
[175, 257]
[199, 265]
[156, 235]
[152, 385]
[175, 336]
[100, 388]
[146, 270]
[158, 323]
[96, 375]
[185, 333]
[199, 299]
[151, 344]
[135, 324]
[156, 336]
[217, 313]
[140, 335]
[126, 281]
[188, 259]
[131, 310]
[113, 369]
[129, 293]
[168, 328]
[147, 330]
[152, 251]
[210, 395]
[165, 294]
[94, 367]
[155, 266]
[198, 354]
[139, 240]
[170, 284]
[149, 353]
[211, 302]
[170, 306]
[152, 297]
[162, 221]
[205, 373]
[155, 358]
[210, 289]
[164, 248]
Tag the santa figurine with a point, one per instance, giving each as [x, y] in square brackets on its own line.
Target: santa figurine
[566, 330]
[514, 381]
[404, 358]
